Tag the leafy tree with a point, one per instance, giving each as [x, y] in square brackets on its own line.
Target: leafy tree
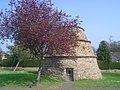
[42, 29]
[115, 46]
[103, 52]
[20, 53]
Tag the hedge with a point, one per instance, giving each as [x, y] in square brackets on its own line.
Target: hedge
[112, 65]
[10, 62]
[29, 63]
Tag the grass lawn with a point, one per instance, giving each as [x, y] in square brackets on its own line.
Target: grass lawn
[109, 80]
[24, 78]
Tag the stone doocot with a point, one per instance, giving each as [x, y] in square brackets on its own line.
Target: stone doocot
[83, 67]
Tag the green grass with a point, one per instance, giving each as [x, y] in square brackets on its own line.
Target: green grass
[109, 80]
[24, 78]
[50, 82]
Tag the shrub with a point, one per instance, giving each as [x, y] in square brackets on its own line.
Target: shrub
[10, 62]
[113, 65]
[29, 63]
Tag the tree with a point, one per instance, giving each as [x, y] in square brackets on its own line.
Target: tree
[115, 46]
[36, 25]
[20, 53]
[103, 52]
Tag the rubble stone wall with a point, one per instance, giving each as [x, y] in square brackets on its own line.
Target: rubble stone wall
[84, 65]
[83, 68]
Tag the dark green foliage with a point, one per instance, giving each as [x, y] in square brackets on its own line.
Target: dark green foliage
[103, 52]
[29, 63]
[112, 65]
[11, 62]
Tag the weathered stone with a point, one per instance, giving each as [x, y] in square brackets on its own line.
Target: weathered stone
[84, 67]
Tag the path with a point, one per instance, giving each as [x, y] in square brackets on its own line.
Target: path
[66, 86]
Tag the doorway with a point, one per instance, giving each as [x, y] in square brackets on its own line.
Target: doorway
[69, 73]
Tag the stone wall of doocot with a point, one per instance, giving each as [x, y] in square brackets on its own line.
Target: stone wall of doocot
[84, 66]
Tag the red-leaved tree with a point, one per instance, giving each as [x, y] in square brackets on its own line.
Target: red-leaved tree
[42, 29]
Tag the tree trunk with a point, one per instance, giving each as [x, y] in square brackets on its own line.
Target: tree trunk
[17, 65]
[38, 75]
[37, 82]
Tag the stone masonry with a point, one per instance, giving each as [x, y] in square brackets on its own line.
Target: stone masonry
[84, 67]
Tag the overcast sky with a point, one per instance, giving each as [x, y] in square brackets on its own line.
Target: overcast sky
[101, 18]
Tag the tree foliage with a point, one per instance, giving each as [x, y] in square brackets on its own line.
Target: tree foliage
[36, 25]
[19, 53]
[103, 52]
[115, 46]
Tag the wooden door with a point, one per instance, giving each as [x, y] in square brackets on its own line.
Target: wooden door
[69, 73]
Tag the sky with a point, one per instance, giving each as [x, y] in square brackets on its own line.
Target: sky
[101, 18]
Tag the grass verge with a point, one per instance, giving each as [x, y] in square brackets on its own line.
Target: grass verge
[24, 78]
[109, 80]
